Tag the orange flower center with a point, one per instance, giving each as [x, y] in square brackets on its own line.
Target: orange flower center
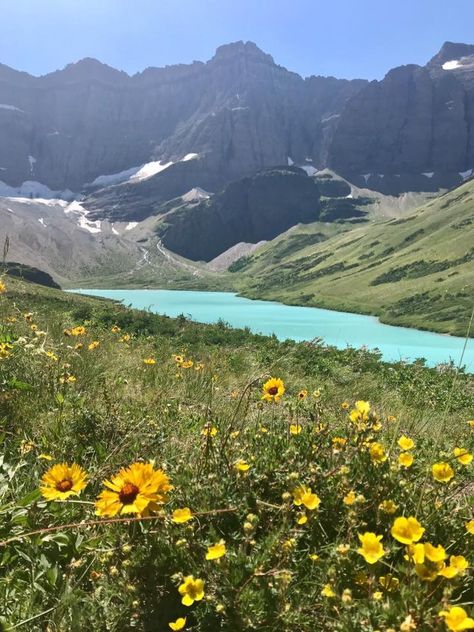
[273, 390]
[65, 485]
[128, 493]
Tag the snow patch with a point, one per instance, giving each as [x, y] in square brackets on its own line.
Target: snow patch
[41, 221]
[11, 108]
[428, 174]
[240, 107]
[466, 174]
[81, 213]
[148, 170]
[451, 65]
[189, 157]
[115, 178]
[330, 118]
[366, 177]
[309, 169]
[32, 161]
[131, 225]
[115, 231]
[290, 161]
[34, 190]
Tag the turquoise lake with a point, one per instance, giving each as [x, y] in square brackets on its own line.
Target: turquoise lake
[299, 323]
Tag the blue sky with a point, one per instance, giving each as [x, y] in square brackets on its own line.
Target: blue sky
[344, 38]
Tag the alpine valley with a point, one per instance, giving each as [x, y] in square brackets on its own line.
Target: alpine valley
[237, 174]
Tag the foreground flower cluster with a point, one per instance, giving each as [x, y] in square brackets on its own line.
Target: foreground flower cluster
[165, 492]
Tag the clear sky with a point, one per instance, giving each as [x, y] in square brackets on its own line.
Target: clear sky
[344, 38]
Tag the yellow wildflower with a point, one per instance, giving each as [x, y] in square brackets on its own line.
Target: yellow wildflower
[241, 465]
[328, 591]
[470, 526]
[442, 472]
[406, 443]
[78, 331]
[62, 481]
[3, 287]
[273, 389]
[178, 624]
[371, 549]
[350, 498]
[115, 329]
[149, 361]
[182, 515]
[407, 530]
[137, 489]
[94, 345]
[295, 429]
[303, 394]
[209, 431]
[216, 551]
[191, 590]
[456, 619]
[388, 506]
[463, 456]
[405, 459]
[303, 495]
[389, 582]
[377, 452]
[457, 565]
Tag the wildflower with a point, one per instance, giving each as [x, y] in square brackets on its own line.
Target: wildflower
[94, 345]
[67, 378]
[471, 423]
[191, 590]
[377, 452]
[135, 489]
[241, 466]
[388, 506]
[3, 287]
[62, 481]
[434, 553]
[78, 346]
[149, 361]
[345, 405]
[52, 356]
[178, 359]
[317, 394]
[343, 549]
[314, 557]
[273, 389]
[125, 338]
[234, 434]
[303, 394]
[209, 431]
[407, 530]
[389, 582]
[346, 596]
[360, 413]
[457, 565]
[187, 364]
[442, 472]
[456, 619]
[350, 498]
[78, 331]
[463, 456]
[328, 591]
[406, 443]
[182, 515]
[371, 549]
[216, 551]
[405, 459]
[46, 457]
[303, 495]
[295, 429]
[178, 624]
[115, 329]
[428, 573]
[301, 518]
[408, 624]
[470, 526]
[377, 595]
[338, 443]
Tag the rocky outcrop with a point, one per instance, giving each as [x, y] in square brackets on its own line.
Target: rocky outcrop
[251, 209]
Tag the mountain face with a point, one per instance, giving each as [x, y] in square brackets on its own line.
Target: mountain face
[240, 112]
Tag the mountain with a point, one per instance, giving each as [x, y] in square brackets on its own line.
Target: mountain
[414, 270]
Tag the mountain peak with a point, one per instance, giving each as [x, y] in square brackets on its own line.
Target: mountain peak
[242, 49]
[90, 68]
[451, 51]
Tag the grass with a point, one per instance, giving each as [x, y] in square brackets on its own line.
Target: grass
[287, 486]
[415, 271]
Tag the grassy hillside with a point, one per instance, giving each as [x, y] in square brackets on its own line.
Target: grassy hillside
[283, 515]
[416, 270]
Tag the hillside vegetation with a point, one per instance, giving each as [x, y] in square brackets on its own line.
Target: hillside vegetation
[416, 270]
[154, 477]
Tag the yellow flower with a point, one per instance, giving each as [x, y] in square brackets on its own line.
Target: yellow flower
[303, 495]
[241, 465]
[328, 591]
[136, 489]
[463, 456]
[371, 549]
[67, 378]
[470, 423]
[149, 361]
[407, 530]
[405, 459]
[216, 551]
[350, 498]
[317, 394]
[360, 412]
[94, 345]
[406, 443]
[416, 553]
[273, 389]
[301, 518]
[377, 452]
[78, 331]
[295, 429]
[408, 624]
[62, 481]
[338, 443]
[456, 619]
[191, 590]
[303, 394]
[435, 553]
[52, 356]
[182, 515]
[187, 364]
[178, 624]
[209, 431]
[178, 359]
[442, 472]
[115, 329]
[46, 457]
[388, 506]
[343, 549]
[428, 573]
[457, 565]
[377, 595]
[125, 338]
[345, 405]
[3, 287]
[470, 526]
